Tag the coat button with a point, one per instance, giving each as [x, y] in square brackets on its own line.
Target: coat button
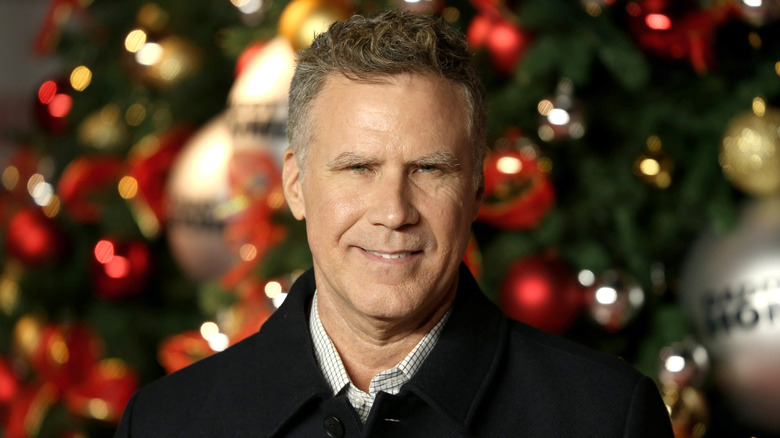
[333, 427]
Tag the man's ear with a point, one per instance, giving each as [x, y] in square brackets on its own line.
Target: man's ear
[291, 182]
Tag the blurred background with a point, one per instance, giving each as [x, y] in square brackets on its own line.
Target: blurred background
[632, 191]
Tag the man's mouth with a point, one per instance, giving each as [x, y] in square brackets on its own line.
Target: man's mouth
[394, 255]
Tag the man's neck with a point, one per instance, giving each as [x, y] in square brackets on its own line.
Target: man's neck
[368, 347]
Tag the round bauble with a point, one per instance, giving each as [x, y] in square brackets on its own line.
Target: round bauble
[542, 291]
[730, 289]
[750, 152]
[301, 20]
[120, 269]
[34, 239]
[198, 195]
[615, 300]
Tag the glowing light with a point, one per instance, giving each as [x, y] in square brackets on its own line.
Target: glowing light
[653, 143]
[10, 177]
[34, 181]
[9, 294]
[753, 3]
[278, 299]
[247, 252]
[208, 329]
[104, 251]
[451, 14]
[509, 165]
[80, 78]
[248, 6]
[135, 114]
[149, 54]
[118, 267]
[128, 187]
[47, 91]
[606, 295]
[60, 105]
[273, 289]
[42, 193]
[219, 342]
[658, 22]
[98, 408]
[558, 116]
[135, 40]
[759, 107]
[586, 277]
[674, 363]
[593, 9]
[545, 106]
[53, 207]
[59, 351]
[650, 167]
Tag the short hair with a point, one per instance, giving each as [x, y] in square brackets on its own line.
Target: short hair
[390, 43]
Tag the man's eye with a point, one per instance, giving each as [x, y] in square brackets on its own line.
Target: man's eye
[358, 168]
[428, 169]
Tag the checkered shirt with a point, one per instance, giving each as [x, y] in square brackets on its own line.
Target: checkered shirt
[389, 381]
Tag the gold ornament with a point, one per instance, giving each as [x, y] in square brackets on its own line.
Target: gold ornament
[301, 20]
[654, 166]
[750, 151]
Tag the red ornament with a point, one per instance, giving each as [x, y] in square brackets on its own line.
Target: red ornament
[678, 29]
[150, 162]
[84, 180]
[28, 410]
[112, 383]
[9, 382]
[184, 349]
[53, 104]
[542, 291]
[35, 239]
[65, 354]
[517, 193]
[505, 42]
[120, 269]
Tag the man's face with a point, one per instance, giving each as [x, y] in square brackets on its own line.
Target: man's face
[388, 195]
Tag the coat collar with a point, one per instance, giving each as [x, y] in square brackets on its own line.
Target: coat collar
[452, 379]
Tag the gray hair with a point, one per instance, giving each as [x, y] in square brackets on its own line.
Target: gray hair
[393, 42]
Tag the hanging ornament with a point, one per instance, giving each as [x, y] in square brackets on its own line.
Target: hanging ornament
[257, 102]
[105, 392]
[653, 166]
[10, 385]
[614, 300]
[677, 29]
[542, 291]
[729, 289]
[65, 354]
[84, 182]
[505, 42]
[149, 165]
[301, 20]
[518, 191]
[750, 151]
[184, 349]
[683, 364]
[198, 203]
[34, 239]
[120, 270]
[688, 411]
[27, 412]
[104, 129]
[53, 105]
[561, 116]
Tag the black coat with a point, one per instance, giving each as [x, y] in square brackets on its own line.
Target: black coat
[488, 376]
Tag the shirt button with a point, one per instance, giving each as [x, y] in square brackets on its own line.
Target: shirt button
[333, 427]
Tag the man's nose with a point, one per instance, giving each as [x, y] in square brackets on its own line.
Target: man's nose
[391, 203]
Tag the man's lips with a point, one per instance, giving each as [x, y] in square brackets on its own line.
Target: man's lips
[391, 255]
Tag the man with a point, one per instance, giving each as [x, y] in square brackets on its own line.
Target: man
[389, 335]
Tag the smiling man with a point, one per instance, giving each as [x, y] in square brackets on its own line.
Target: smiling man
[388, 335]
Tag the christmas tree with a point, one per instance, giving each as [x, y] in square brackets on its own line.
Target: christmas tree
[631, 194]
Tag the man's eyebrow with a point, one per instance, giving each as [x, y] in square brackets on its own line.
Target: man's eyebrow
[439, 159]
[348, 159]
